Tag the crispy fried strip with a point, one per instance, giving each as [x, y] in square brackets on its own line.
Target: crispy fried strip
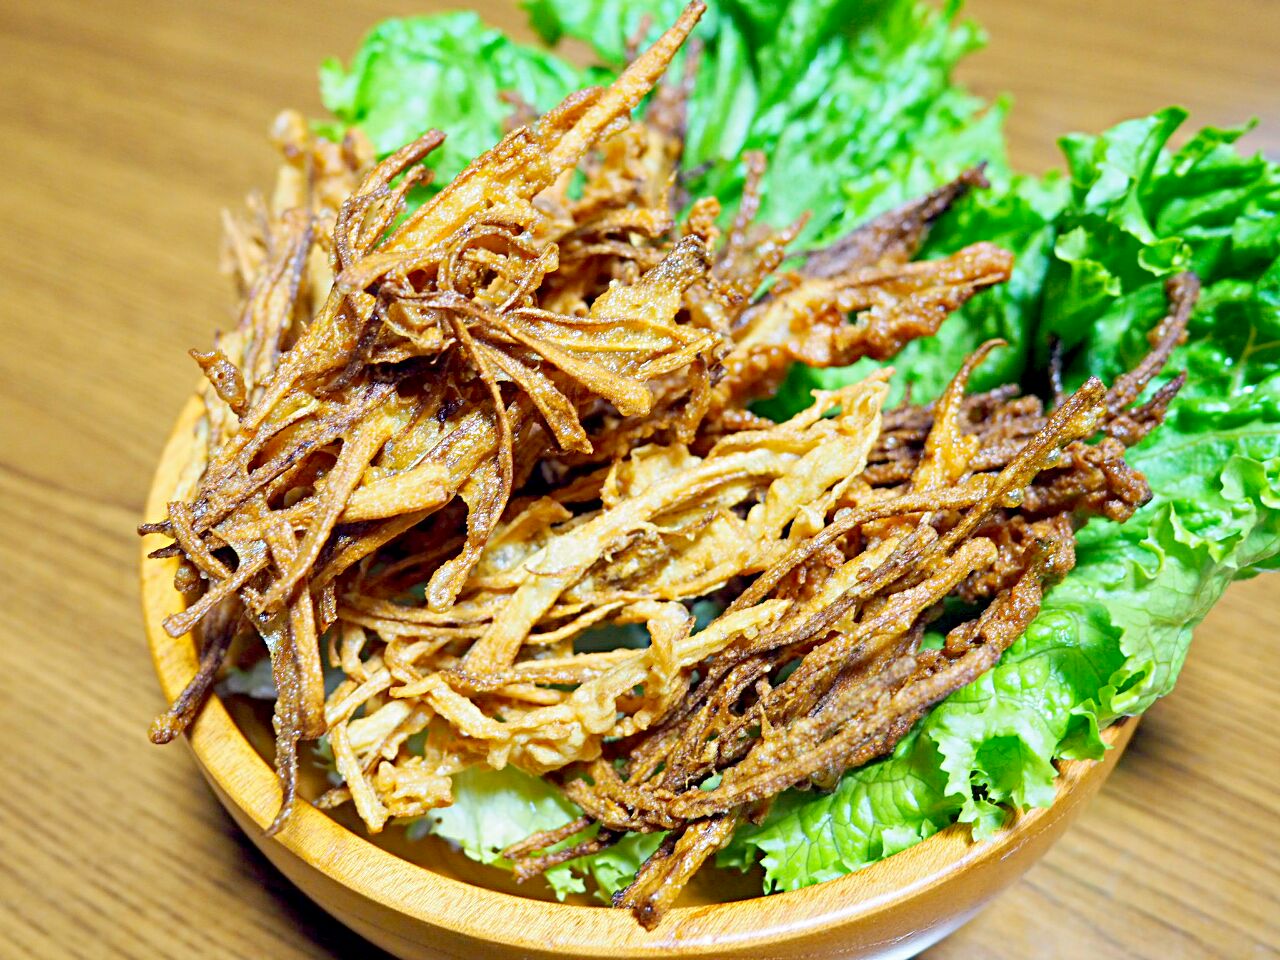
[435, 457]
[895, 235]
[220, 631]
[664, 874]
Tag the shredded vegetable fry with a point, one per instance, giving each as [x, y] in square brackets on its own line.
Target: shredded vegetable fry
[440, 449]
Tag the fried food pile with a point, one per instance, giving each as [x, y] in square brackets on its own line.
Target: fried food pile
[974, 500]
[441, 448]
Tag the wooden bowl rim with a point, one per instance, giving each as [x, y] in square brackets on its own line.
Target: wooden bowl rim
[228, 759]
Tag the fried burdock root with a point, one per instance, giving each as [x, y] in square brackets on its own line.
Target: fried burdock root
[426, 365]
[973, 498]
[440, 449]
[391, 382]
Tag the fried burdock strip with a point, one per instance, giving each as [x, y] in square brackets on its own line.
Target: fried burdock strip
[219, 633]
[894, 236]
[389, 391]
[857, 678]
[662, 507]
[455, 285]
[627, 570]
[793, 466]
[1002, 420]
[740, 265]
[667, 531]
[715, 737]
[806, 320]
[577, 122]
[867, 272]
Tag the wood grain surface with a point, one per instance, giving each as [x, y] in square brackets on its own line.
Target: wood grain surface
[126, 127]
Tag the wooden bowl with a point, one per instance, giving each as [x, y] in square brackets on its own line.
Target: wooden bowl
[891, 909]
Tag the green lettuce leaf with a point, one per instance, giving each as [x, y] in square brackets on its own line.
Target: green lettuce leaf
[1140, 213]
[447, 72]
[851, 100]
[492, 809]
[892, 804]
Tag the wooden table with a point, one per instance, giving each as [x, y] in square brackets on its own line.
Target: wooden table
[126, 127]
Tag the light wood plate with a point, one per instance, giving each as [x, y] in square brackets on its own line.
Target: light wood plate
[892, 909]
